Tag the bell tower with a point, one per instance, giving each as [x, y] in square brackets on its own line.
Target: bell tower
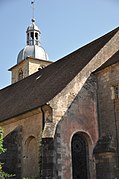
[33, 34]
[32, 56]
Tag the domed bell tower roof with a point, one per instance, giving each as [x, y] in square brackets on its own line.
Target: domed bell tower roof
[33, 48]
[33, 34]
[33, 26]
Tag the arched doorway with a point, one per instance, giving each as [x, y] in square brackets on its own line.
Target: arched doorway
[80, 155]
[31, 158]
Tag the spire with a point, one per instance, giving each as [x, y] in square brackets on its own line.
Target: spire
[32, 48]
[33, 10]
[33, 32]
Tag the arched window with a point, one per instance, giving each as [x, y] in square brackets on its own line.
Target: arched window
[20, 75]
[79, 157]
[36, 36]
[27, 38]
[32, 35]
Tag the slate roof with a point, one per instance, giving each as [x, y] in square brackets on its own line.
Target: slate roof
[114, 59]
[37, 89]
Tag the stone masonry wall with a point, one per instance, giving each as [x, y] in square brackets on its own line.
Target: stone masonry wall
[35, 64]
[106, 80]
[108, 111]
[80, 117]
[31, 124]
[24, 66]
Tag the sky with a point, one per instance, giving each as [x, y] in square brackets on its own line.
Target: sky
[65, 26]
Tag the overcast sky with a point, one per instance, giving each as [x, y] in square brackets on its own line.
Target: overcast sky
[66, 25]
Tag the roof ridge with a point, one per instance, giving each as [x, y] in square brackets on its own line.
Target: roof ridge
[92, 41]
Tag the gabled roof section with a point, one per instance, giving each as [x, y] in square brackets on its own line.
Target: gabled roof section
[39, 88]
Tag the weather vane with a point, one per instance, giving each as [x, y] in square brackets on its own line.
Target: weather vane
[33, 9]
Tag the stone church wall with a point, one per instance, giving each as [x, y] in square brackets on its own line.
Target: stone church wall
[28, 137]
[108, 111]
[79, 118]
[35, 64]
[24, 66]
[106, 80]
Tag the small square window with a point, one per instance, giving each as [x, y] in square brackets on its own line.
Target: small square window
[116, 92]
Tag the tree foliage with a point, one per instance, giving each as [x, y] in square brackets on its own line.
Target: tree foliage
[2, 150]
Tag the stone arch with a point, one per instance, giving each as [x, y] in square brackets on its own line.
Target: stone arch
[31, 157]
[80, 155]
[28, 140]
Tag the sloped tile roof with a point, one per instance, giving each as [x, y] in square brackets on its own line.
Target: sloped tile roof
[37, 89]
[114, 59]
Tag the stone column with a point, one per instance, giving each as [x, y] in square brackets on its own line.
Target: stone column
[105, 159]
[47, 158]
[105, 165]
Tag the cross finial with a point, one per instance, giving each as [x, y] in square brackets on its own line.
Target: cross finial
[33, 10]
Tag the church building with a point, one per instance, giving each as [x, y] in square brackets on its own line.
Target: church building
[61, 119]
